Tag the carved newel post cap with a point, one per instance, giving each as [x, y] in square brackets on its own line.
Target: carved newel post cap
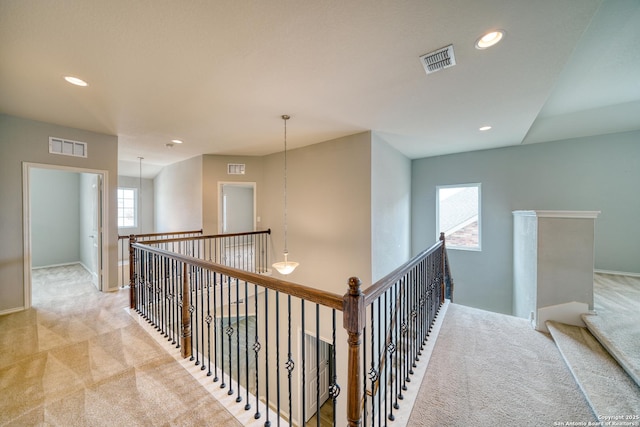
[354, 286]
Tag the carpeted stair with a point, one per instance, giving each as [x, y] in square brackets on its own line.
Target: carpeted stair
[608, 388]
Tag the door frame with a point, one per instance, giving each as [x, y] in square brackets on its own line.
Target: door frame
[246, 184]
[103, 257]
[308, 337]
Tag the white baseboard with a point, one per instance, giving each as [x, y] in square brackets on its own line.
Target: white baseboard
[64, 264]
[12, 310]
[617, 273]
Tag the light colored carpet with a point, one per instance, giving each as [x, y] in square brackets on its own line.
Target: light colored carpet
[489, 369]
[77, 358]
[616, 323]
[609, 390]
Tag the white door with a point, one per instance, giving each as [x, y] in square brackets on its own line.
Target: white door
[237, 207]
[96, 230]
[316, 371]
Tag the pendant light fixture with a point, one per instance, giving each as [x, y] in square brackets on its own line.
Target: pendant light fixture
[287, 266]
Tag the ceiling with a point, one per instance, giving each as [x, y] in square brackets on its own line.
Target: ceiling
[219, 74]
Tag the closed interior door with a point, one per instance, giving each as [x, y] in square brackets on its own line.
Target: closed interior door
[318, 370]
[237, 201]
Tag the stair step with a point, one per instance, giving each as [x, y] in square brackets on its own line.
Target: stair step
[622, 342]
[606, 386]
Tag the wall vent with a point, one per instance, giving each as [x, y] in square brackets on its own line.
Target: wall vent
[438, 59]
[67, 147]
[235, 168]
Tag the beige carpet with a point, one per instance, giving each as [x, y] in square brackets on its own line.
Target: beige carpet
[608, 389]
[616, 323]
[77, 358]
[488, 369]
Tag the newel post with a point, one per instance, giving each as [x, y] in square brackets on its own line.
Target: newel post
[185, 350]
[353, 322]
[132, 273]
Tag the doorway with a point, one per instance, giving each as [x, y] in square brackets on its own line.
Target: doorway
[64, 221]
[237, 202]
[318, 369]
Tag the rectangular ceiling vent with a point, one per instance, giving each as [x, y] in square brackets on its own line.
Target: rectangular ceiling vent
[67, 147]
[235, 168]
[438, 59]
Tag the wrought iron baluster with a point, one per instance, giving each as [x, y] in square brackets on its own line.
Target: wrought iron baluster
[267, 423]
[385, 384]
[239, 397]
[396, 339]
[290, 364]
[278, 356]
[193, 309]
[203, 316]
[222, 383]
[303, 353]
[216, 321]
[229, 332]
[247, 406]
[194, 296]
[256, 349]
[373, 374]
[317, 365]
[334, 389]
[208, 319]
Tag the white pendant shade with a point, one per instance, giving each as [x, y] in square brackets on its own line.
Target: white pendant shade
[285, 267]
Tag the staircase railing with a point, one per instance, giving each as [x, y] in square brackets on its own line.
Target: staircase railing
[273, 343]
[123, 249]
[388, 326]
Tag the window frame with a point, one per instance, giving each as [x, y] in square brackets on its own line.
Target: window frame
[478, 185]
[121, 210]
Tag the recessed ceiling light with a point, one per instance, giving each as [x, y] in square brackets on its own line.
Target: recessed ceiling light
[483, 128]
[76, 81]
[176, 141]
[489, 39]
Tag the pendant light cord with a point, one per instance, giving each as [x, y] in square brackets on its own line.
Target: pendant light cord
[285, 118]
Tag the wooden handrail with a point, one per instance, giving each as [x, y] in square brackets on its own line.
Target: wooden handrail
[210, 236]
[317, 296]
[171, 233]
[381, 286]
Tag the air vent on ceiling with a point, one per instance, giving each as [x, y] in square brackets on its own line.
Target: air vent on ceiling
[235, 168]
[438, 59]
[67, 147]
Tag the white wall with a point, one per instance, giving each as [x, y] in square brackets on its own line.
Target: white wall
[23, 140]
[599, 173]
[178, 196]
[390, 208]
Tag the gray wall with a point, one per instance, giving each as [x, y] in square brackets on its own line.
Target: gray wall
[390, 208]
[178, 196]
[146, 205]
[23, 140]
[596, 173]
[214, 171]
[329, 211]
[55, 217]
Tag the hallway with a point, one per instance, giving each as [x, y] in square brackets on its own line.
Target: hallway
[78, 358]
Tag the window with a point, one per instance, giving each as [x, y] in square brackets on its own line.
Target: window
[127, 212]
[458, 215]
